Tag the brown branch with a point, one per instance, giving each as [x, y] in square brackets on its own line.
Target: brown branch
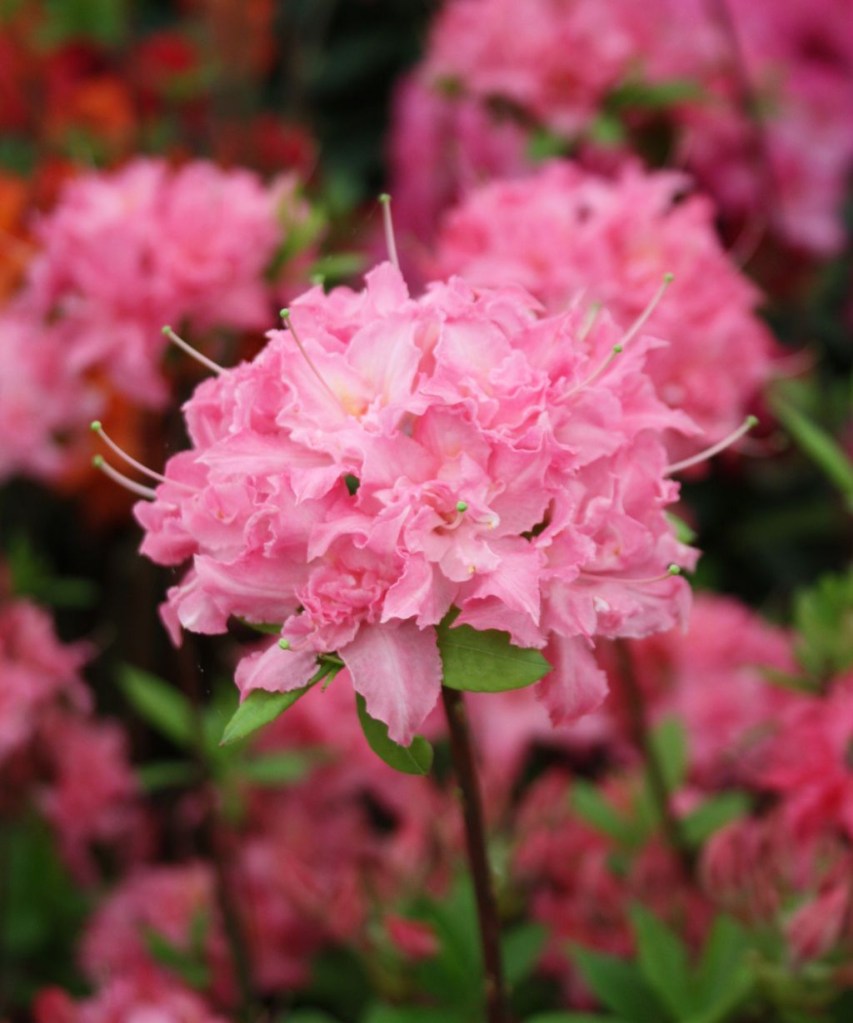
[475, 841]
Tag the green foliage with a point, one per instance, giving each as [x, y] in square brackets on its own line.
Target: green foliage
[259, 709]
[823, 616]
[41, 912]
[662, 984]
[102, 21]
[416, 758]
[714, 813]
[187, 963]
[486, 661]
[161, 705]
[33, 576]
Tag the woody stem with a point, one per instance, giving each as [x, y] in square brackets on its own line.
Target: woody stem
[462, 753]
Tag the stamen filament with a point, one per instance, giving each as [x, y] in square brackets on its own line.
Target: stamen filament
[668, 574]
[97, 428]
[642, 319]
[592, 315]
[715, 449]
[122, 480]
[388, 224]
[285, 315]
[192, 352]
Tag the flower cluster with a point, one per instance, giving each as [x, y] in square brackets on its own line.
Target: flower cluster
[460, 450]
[565, 234]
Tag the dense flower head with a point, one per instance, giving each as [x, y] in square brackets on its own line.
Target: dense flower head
[559, 65]
[460, 450]
[38, 672]
[126, 251]
[564, 233]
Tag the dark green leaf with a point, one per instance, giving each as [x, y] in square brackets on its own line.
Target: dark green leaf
[160, 704]
[664, 962]
[521, 950]
[486, 661]
[411, 1014]
[619, 985]
[574, 1017]
[723, 977]
[415, 758]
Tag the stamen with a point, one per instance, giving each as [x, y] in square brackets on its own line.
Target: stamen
[715, 449]
[640, 321]
[285, 315]
[388, 223]
[97, 428]
[122, 480]
[592, 315]
[284, 644]
[461, 506]
[671, 571]
[192, 352]
[596, 373]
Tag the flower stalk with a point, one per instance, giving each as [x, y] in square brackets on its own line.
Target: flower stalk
[462, 753]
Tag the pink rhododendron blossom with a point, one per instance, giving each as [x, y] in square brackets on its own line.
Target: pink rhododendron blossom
[127, 251]
[38, 672]
[44, 404]
[91, 797]
[700, 68]
[817, 784]
[566, 234]
[457, 450]
[142, 997]
[714, 678]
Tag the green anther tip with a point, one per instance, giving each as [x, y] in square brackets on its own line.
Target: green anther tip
[98, 461]
[284, 644]
[668, 278]
[95, 426]
[618, 349]
[461, 506]
[751, 421]
[284, 313]
[385, 198]
[166, 329]
[674, 570]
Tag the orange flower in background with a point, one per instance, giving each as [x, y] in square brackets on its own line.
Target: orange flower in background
[101, 110]
[15, 250]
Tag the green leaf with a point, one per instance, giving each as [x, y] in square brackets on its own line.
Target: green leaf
[521, 950]
[669, 741]
[588, 803]
[164, 774]
[823, 616]
[684, 533]
[410, 1014]
[265, 628]
[723, 978]
[664, 962]
[161, 705]
[277, 768]
[260, 708]
[698, 826]
[415, 758]
[817, 444]
[189, 966]
[619, 985]
[574, 1017]
[486, 661]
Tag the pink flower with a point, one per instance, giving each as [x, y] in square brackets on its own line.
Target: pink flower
[141, 997]
[567, 234]
[127, 251]
[38, 672]
[505, 465]
[816, 784]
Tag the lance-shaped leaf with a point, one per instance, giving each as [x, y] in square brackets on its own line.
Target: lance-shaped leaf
[258, 709]
[486, 661]
[161, 705]
[416, 758]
